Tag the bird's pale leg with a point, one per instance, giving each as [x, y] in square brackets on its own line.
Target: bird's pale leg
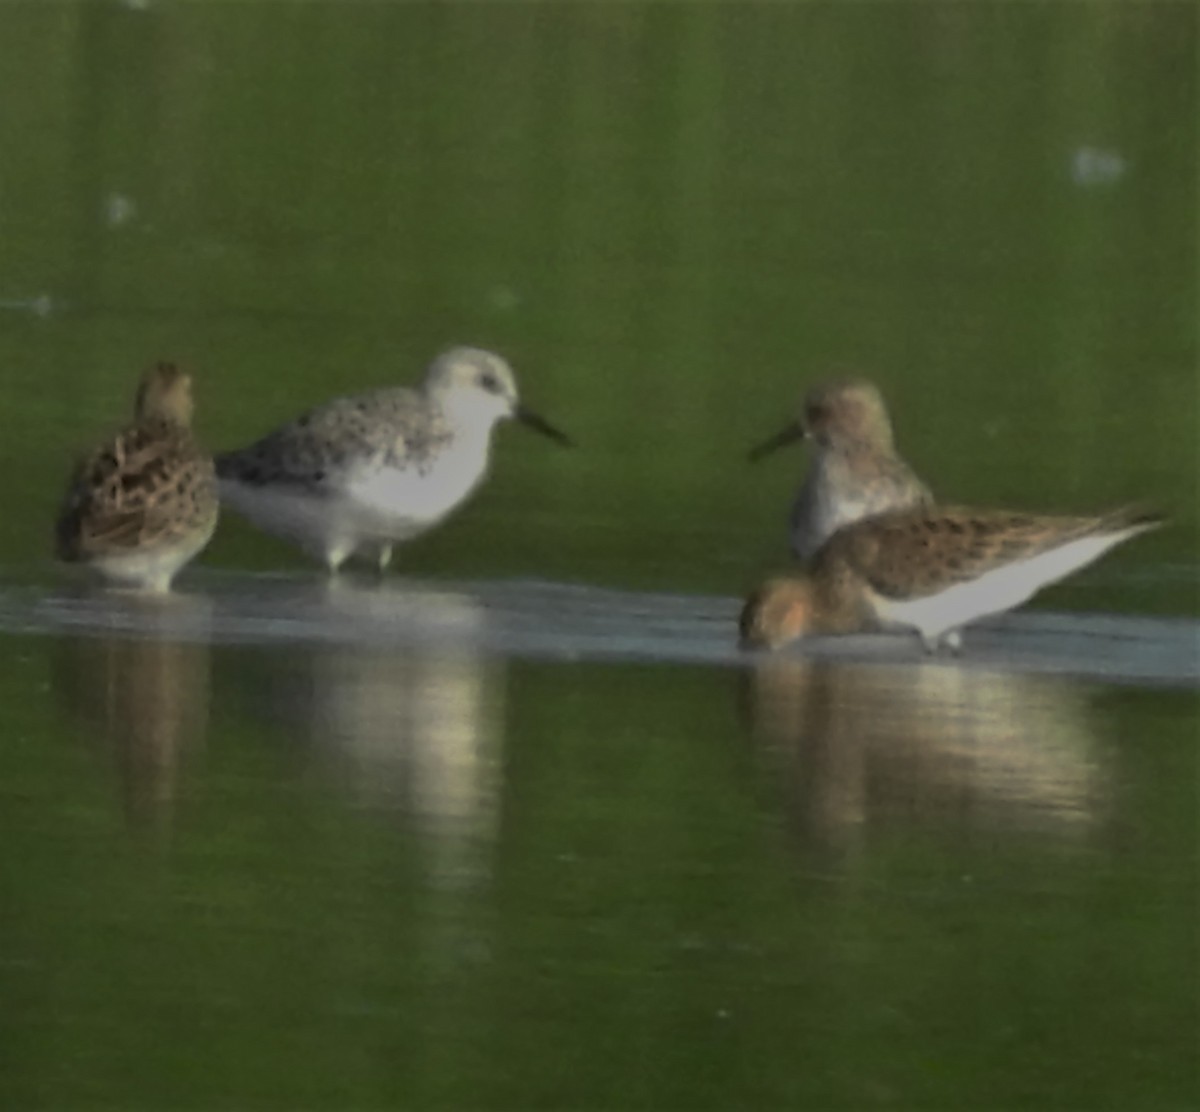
[933, 642]
[335, 555]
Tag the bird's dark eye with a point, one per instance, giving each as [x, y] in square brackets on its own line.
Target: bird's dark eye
[489, 382]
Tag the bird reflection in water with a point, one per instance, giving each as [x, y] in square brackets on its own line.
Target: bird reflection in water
[867, 747]
[405, 714]
[143, 696]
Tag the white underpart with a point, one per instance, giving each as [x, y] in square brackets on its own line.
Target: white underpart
[372, 507]
[995, 591]
[817, 513]
[826, 504]
[148, 569]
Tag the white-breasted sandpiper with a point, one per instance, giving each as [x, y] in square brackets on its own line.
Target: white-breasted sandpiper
[855, 470]
[362, 473]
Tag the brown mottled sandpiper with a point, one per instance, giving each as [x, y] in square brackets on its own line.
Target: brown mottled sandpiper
[932, 569]
[143, 504]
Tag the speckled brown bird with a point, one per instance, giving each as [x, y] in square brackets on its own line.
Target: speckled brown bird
[143, 504]
[361, 473]
[932, 569]
[855, 471]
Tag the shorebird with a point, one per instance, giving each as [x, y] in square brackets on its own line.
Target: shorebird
[855, 470]
[932, 569]
[144, 503]
[362, 473]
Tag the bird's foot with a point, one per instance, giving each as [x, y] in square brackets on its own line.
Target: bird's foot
[934, 642]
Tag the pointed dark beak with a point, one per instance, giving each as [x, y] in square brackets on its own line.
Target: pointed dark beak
[539, 424]
[795, 431]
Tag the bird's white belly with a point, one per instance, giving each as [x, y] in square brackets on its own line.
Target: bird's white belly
[372, 506]
[993, 592]
[396, 503]
[936, 614]
[817, 514]
[151, 568]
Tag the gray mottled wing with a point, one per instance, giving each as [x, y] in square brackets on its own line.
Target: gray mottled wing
[321, 446]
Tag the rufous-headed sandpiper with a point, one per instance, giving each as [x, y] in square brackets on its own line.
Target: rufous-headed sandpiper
[932, 569]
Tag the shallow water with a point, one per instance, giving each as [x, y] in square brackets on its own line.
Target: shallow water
[484, 844]
[540, 620]
[520, 826]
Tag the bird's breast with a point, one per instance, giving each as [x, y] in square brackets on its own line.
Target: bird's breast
[418, 489]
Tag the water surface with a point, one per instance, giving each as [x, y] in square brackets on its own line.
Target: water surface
[520, 827]
[273, 841]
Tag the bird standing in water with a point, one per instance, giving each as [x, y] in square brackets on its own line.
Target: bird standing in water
[144, 503]
[362, 473]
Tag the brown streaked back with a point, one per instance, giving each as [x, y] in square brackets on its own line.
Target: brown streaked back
[919, 552]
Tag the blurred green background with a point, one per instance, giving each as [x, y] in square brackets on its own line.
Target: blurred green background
[672, 218]
[335, 877]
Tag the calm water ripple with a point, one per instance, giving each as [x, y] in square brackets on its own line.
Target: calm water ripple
[534, 619]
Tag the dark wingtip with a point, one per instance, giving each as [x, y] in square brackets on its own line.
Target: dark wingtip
[1139, 515]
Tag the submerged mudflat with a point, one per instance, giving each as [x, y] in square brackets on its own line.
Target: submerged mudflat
[540, 620]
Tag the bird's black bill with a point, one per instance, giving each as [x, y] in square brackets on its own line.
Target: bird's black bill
[786, 436]
[539, 424]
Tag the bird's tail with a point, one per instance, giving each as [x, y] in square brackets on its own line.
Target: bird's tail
[1138, 517]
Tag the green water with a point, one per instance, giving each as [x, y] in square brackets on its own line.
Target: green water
[269, 877]
[358, 879]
